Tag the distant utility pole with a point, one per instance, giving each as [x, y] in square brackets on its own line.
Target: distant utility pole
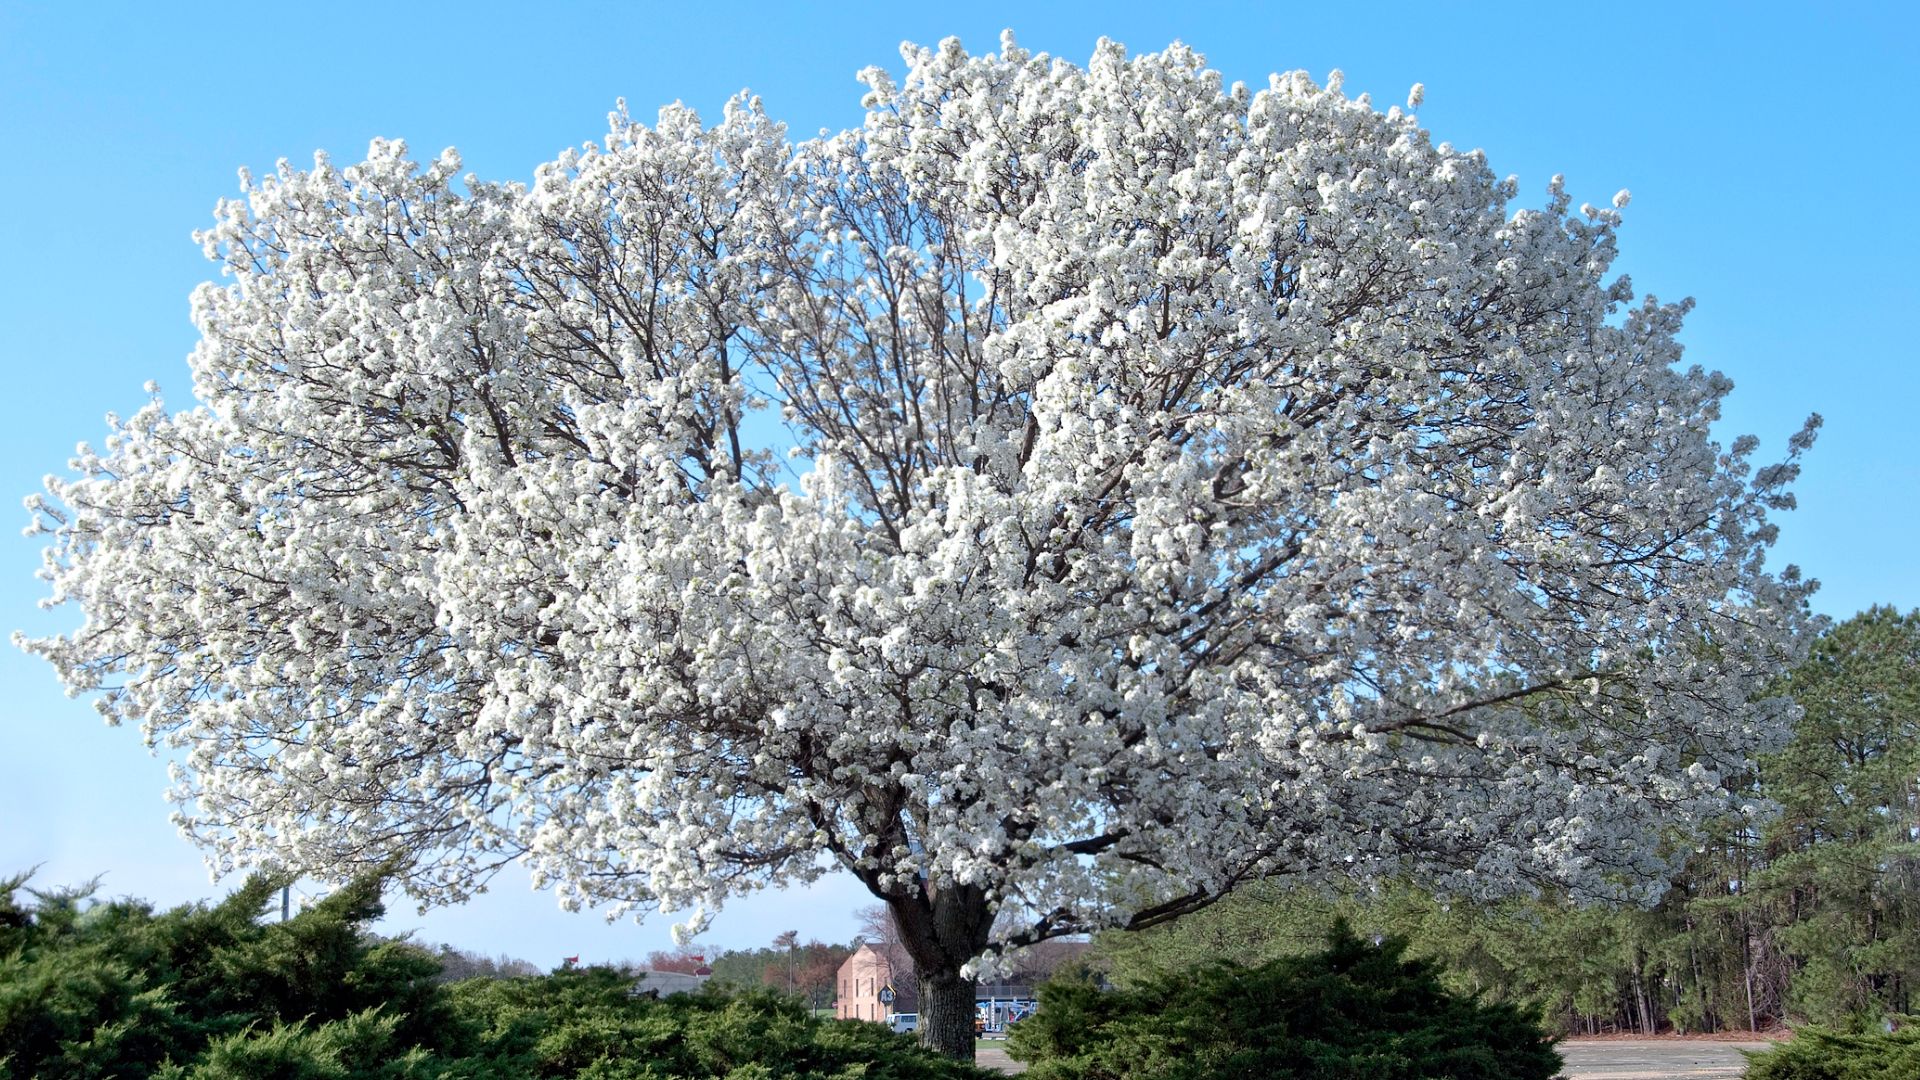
[286, 892]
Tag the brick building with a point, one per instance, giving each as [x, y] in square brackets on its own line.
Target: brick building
[872, 967]
[861, 977]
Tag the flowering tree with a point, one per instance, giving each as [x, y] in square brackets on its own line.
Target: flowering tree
[1190, 485]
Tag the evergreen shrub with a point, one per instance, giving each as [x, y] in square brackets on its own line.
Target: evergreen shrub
[114, 989]
[1352, 1011]
[1826, 1054]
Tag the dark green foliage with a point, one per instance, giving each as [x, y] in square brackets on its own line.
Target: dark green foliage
[1819, 1054]
[583, 1023]
[364, 1046]
[114, 989]
[1352, 1011]
[1562, 961]
[1841, 857]
[210, 993]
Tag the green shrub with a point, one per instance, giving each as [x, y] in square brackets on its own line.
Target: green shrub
[212, 993]
[584, 1023]
[1822, 1054]
[115, 989]
[1351, 1012]
[360, 1047]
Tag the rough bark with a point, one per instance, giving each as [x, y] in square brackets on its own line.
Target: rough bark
[942, 930]
[947, 1013]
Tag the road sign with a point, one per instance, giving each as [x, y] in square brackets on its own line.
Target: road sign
[886, 994]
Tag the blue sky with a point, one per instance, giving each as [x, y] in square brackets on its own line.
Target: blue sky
[1770, 150]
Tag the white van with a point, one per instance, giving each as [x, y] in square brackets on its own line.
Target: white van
[904, 1022]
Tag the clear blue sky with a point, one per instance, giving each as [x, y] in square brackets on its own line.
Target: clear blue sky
[1770, 149]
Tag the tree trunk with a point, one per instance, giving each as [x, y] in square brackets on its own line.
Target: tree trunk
[1639, 1001]
[1709, 1016]
[946, 1014]
[942, 929]
[1746, 963]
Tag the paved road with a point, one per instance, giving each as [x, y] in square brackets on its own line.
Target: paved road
[1599, 1059]
[1655, 1059]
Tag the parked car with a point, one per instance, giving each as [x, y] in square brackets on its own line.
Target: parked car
[904, 1022]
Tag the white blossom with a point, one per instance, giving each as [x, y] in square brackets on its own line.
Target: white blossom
[1193, 485]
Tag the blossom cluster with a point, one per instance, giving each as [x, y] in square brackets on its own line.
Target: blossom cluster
[1079, 489]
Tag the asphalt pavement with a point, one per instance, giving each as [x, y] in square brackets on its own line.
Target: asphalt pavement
[1655, 1059]
[1587, 1059]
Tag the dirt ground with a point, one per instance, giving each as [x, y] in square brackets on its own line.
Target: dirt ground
[1589, 1059]
[995, 1057]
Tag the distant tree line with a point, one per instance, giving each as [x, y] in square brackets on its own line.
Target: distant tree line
[459, 964]
[803, 970]
[1809, 914]
[806, 971]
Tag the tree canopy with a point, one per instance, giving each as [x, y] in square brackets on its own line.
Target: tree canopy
[1189, 484]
